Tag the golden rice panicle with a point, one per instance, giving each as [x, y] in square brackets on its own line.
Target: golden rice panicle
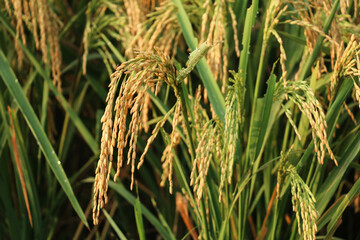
[347, 65]
[49, 26]
[95, 17]
[310, 15]
[167, 156]
[357, 74]
[235, 29]
[161, 29]
[135, 18]
[203, 157]
[148, 4]
[38, 14]
[118, 20]
[282, 56]
[281, 173]
[143, 72]
[204, 19]
[154, 134]
[273, 13]
[18, 12]
[291, 121]
[302, 95]
[216, 35]
[39, 18]
[303, 202]
[102, 173]
[7, 7]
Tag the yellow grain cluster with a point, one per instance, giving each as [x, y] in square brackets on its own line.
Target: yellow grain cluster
[40, 20]
[213, 30]
[204, 155]
[145, 71]
[303, 200]
[167, 156]
[303, 205]
[311, 15]
[273, 15]
[302, 95]
[347, 65]
[139, 24]
[234, 120]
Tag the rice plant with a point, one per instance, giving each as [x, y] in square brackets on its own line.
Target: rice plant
[179, 119]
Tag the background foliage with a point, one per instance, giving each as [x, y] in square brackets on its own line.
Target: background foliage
[259, 140]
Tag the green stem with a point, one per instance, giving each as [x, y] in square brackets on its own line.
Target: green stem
[184, 112]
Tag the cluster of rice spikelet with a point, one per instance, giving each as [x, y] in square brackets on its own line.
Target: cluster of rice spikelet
[215, 30]
[273, 14]
[347, 65]
[44, 25]
[217, 141]
[204, 155]
[161, 29]
[167, 156]
[302, 95]
[303, 200]
[136, 24]
[234, 119]
[104, 19]
[310, 15]
[145, 71]
[303, 205]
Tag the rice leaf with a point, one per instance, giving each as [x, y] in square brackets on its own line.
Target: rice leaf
[13, 85]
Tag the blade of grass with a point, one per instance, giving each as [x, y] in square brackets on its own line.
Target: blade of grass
[138, 219]
[19, 168]
[260, 124]
[249, 23]
[119, 233]
[15, 89]
[132, 200]
[30, 184]
[241, 185]
[332, 182]
[339, 208]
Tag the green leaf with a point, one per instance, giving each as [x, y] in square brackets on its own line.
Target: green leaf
[261, 119]
[333, 180]
[132, 200]
[74, 117]
[15, 89]
[138, 219]
[119, 233]
[243, 181]
[249, 23]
